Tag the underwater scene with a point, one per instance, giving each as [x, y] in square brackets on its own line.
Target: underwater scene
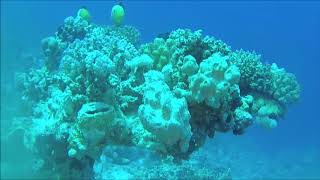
[160, 90]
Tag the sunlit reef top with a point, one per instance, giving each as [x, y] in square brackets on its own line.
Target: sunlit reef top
[99, 87]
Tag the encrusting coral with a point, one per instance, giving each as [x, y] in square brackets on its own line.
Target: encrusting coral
[99, 87]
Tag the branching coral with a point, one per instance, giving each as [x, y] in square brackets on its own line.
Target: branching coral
[195, 44]
[270, 80]
[73, 28]
[129, 33]
[255, 76]
[284, 87]
[90, 130]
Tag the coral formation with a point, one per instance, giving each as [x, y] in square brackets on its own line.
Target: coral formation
[285, 87]
[99, 87]
[73, 28]
[164, 115]
[270, 80]
[214, 80]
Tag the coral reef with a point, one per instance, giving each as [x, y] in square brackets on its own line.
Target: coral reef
[99, 87]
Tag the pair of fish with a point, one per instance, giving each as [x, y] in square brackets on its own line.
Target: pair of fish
[117, 12]
[117, 15]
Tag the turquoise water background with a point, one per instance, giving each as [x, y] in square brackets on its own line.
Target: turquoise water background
[283, 32]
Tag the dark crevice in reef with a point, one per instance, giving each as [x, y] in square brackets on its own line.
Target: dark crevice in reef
[197, 50]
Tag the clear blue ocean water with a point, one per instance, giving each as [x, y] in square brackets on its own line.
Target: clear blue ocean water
[287, 33]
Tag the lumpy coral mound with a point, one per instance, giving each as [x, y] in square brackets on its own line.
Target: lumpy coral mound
[99, 87]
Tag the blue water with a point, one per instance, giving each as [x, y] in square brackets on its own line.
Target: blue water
[287, 33]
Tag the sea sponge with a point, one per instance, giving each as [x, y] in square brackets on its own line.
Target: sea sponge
[92, 114]
[164, 115]
[90, 128]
